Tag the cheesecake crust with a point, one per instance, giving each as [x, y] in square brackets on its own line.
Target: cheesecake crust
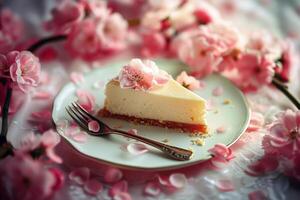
[184, 127]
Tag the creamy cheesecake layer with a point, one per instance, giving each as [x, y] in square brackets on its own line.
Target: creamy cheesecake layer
[172, 102]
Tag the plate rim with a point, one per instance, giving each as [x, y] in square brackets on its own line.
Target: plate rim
[165, 168]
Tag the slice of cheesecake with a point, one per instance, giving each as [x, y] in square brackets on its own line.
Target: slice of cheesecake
[169, 105]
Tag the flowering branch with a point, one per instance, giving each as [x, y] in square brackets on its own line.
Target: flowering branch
[4, 127]
[283, 88]
[46, 40]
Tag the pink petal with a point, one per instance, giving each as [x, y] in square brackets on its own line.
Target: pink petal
[86, 99]
[225, 185]
[132, 131]
[53, 156]
[113, 175]
[264, 165]
[278, 130]
[210, 104]
[71, 131]
[80, 175]
[164, 180]
[93, 187]
[122, 196]
[256, 122]
[152, 189]
[218, 91]
[94, 126]
[289, 120]
[178, 180]
[221, 129]
[117, 188]
[257, 195]
[42, 95]
[137, 148]
[80, 137]
[76, 78]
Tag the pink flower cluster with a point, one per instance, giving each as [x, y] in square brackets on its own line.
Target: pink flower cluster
[164, 19]
[142, 75]
[23, 68]
[28, 176]
[11, 30]
[93, 30]
[281, 146]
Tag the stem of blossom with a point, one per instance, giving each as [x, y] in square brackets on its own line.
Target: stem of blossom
[46, 40]
[285, 91]
[5, 109]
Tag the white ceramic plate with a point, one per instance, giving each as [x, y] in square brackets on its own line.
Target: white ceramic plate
[234, 117]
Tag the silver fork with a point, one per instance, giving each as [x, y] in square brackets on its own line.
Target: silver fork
[82, 118]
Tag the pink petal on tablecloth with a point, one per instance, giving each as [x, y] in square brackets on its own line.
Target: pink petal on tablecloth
[76, 77]
[133, 131]
[121, 186]
[80, 175]
[221, 129]
[93, 187]
[113, 175]
[122, 196]
[152, 189]
[136, 148]
[224, 185]
[80, 137]
[178, 180]
[164, 180]
[94, 126]
[42, 95]
[218, 91]
[264, 165]
[257, 195]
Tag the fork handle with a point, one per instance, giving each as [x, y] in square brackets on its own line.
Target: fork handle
[174, 152]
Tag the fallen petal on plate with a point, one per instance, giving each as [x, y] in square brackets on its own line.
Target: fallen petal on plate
[137, 148]
[80, 175]
[132, 131]
[224, 185]
[218, 91]
[122, 196]
[152, 189]
[178, 180]
[117, 188]
[93, 186]
[210, 104]
[221, 129]
[76, 78]
[80, 137]
[94, 126]
[113, 175]
[71, 130]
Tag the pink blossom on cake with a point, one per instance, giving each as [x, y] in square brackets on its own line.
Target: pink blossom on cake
[142, 75]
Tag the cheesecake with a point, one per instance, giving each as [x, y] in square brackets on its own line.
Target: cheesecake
[149, 96]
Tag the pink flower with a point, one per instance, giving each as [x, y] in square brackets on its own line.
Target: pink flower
[25, 69]
[86, 100]
[202, 48]
[113, 31]
[142, 75]
[66, 14]
[46, 143]
[11, 30]
[287, 61]
[284, 137]
[83, 40]
[154, 43]
[188, 81]
[221, 154]
[28, 177]
[254, 71]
